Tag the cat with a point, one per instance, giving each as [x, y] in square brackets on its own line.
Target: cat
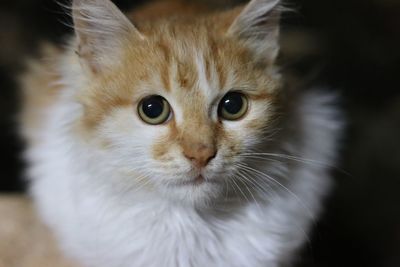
[173, 140]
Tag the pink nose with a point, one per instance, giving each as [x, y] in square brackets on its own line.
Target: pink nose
[200, 155]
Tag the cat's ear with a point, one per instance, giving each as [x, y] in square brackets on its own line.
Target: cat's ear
[101, 30]
[258, 26]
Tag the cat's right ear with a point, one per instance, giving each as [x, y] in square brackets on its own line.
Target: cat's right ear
[101, 30]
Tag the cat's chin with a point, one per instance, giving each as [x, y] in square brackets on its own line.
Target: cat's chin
[197, 191]
[195, 181]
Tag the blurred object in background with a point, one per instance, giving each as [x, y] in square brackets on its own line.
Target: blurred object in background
[352, 46]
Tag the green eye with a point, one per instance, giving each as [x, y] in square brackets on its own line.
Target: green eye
[154, 110]
[233, 106]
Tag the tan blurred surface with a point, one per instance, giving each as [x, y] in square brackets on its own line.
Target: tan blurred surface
[24, 240]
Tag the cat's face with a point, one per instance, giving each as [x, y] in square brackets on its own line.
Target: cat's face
[179, 109]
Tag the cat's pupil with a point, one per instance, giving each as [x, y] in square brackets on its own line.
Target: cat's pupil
[153, 106]
[232, 103]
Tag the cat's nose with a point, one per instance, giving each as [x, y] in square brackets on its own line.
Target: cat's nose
[200, 155]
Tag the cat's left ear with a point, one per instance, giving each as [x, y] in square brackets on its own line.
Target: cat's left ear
[258, 26]
[101, 30]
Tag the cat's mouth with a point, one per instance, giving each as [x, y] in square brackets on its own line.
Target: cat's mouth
[199, 180]
[195, 182]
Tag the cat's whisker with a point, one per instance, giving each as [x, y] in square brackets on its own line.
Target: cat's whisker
[264, 187]
[308, 240]
[231, 185]
[262, 174]
[259, 155]
[251, 194]
[226, 188]
[261, 158]
[240, 190]
[257, 186]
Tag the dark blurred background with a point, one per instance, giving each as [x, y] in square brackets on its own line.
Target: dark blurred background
[352, 46]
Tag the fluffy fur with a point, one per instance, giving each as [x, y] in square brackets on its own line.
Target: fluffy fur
[119, 192]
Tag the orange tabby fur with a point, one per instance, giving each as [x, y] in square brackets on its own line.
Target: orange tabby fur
[168, 53]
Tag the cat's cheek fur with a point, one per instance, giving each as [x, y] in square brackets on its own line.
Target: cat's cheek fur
[125, 146]
[250, 130]
[128, 151]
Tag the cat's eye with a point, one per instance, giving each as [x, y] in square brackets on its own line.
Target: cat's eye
[154, 110]
[233, 106]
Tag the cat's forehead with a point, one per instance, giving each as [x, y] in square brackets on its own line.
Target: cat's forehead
[192, 62]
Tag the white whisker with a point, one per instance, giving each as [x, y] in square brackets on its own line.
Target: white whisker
[262, 174]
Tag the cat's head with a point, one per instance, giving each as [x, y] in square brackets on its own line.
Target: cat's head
[172, 105]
